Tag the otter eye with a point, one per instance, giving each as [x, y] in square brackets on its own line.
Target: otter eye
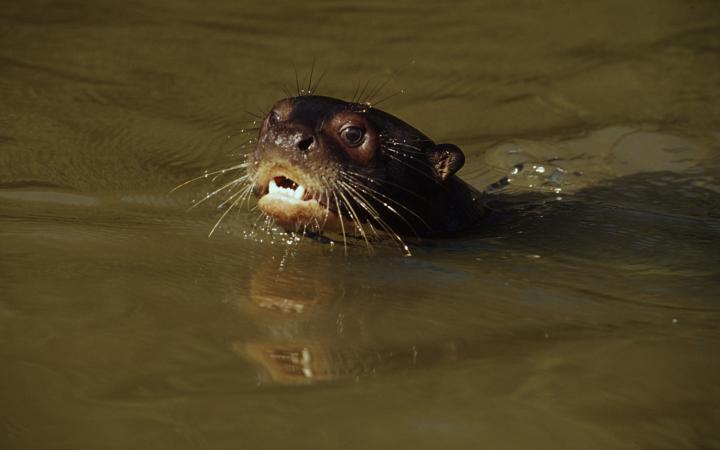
[352, 135]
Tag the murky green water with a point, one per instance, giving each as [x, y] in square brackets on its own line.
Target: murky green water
[587, 318]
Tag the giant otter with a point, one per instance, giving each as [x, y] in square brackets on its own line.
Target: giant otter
[323, 166]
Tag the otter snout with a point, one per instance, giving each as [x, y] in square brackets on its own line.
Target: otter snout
[288, 137]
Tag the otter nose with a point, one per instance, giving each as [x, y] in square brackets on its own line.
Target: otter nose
[304, 141]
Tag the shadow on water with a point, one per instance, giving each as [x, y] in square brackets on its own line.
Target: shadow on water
[645, 216]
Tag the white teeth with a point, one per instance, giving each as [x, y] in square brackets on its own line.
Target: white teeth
[296, 194]
[299, 192]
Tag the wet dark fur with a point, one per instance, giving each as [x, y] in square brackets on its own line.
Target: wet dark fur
[408, 186]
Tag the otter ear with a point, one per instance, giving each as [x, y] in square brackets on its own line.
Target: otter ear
[446, 159]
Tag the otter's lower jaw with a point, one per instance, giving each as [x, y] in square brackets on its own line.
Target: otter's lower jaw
[293, 214]
[291, 207]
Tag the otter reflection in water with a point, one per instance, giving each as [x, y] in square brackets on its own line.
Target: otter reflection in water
[336, 169]
[311, 335]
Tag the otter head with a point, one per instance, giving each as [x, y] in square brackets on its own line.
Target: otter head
[323, 164]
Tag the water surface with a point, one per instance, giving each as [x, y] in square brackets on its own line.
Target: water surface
[585, 318]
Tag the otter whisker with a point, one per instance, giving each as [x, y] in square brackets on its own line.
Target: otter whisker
[411, 148]
[355, 218]
[417, 163]
[234, 195]
[366, 98]
[240, 150]
[389, 229]
[248, 200]
[255, 115]
[217, 224]
[376, 90]
[233, 201]
[240, 137]
[242, 192]
[363, 202]
[408, 152]
[229, 185]
[357, 87]
[312, 71]
[360, 200]
[384, 225]
[384, 199]
[411, 140]
[410, 166]
[388, 97]
[326, 191]
[357, 196]
[314, 89]
[316, 222]
[342, 225]
[362, 92]
[385, 182]
[357, 90]
[207, 174]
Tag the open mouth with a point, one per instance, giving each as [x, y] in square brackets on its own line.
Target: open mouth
[294, 205]
[286, 189]
[291, 204]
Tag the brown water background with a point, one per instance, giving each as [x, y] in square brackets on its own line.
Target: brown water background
[588, 320]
